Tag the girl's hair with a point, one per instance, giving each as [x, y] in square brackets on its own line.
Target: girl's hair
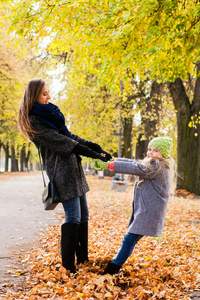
[173, 175]
[167, 163]
[32, 91]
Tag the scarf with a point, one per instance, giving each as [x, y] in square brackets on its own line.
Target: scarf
[51, 115]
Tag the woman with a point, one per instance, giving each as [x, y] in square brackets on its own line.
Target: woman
[44, 124]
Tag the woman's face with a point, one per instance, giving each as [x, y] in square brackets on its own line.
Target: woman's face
[154, 153]
[44, 96]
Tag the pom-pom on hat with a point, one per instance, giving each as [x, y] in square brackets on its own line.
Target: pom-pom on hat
[163, 144]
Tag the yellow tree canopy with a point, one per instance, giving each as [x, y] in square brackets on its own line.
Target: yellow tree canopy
[138, 35]
[16, 69]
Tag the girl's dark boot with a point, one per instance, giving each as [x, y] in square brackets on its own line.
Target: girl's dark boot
[111, 269]
[82, 245]
[69, 235]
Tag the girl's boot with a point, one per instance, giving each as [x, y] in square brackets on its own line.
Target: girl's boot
[111, 269]
[69, 235]
[82, 245]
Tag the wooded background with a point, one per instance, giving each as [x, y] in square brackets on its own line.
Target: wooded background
[120, 70]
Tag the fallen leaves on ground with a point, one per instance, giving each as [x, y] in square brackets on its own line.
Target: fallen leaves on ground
[184, 193]
[159, 268]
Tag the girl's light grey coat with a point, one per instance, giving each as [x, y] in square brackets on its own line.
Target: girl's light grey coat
[151, 196]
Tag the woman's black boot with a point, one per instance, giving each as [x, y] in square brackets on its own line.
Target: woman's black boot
[69, 235]
[82, 245]
[111, 269]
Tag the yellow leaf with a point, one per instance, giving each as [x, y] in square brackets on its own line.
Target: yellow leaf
[80, 294]
[148, 258]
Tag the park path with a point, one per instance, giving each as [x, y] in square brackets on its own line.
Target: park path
[22, 220]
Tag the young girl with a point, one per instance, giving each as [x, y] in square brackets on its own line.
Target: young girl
[44, 124]
[151, 195]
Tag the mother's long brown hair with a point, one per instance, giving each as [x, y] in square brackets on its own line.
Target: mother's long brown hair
[32, 91]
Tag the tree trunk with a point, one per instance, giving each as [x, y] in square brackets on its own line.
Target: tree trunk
[141, 147]
[6, 150]
[0, 153]
[127, 136]
[149, 120]
[22, 158]
[27, 156]
[16, 165]
[127, 124]
[188, 127]
[14, 161]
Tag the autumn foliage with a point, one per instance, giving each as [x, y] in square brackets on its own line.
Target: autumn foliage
[159, 268]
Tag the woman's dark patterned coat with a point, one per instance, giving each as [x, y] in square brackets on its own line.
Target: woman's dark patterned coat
[69, 178]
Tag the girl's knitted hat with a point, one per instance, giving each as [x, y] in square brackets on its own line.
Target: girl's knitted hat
[163, 144]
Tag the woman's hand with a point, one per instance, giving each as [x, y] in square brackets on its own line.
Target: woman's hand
[95, 147]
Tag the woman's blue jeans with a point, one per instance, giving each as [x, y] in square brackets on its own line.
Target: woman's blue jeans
[129, 242]
[76, 210]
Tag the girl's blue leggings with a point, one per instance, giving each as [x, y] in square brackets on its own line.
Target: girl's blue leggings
[129, 242]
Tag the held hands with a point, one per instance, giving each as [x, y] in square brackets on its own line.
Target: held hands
[107, 155]
[102, 157]
[95, 147]
[86, 151]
